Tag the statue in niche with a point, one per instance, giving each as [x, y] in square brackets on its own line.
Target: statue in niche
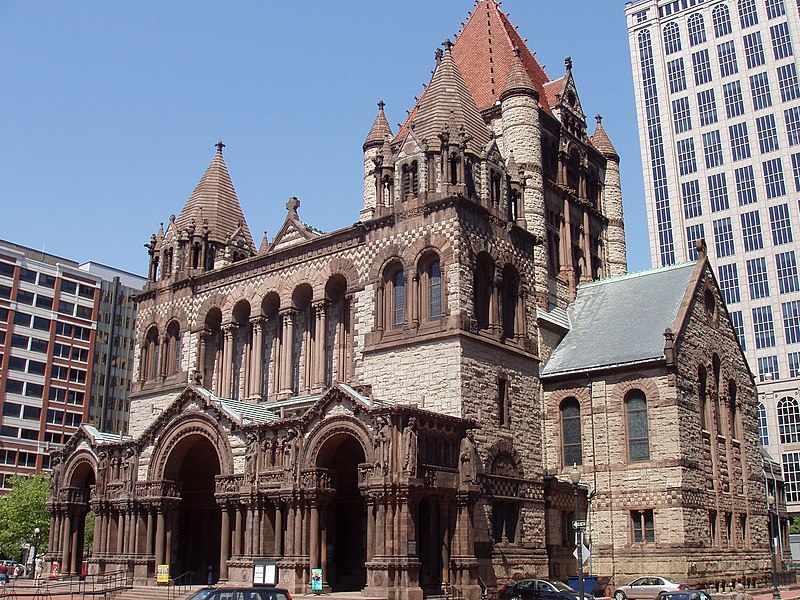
[55, 477]
[102, 472]
[410, 447]
[291, 449]
[251, 461]
[129, 470]
[383, 445]
[267, 459]
[468, 460]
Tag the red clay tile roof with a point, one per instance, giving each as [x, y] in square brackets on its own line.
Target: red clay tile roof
[552, 90]
[484, 53]
[215, 199]
[518, 79]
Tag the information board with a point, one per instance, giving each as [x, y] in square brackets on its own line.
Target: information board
[162, 574]
[316, 580]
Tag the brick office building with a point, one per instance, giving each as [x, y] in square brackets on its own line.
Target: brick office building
[61, 323]
[370, 401]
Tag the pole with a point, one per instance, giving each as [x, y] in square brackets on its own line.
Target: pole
[579, 539]
[776, 592]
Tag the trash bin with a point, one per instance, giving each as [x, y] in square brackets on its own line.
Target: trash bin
[589, 582]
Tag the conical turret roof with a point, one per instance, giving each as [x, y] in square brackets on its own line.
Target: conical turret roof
[601, 141]
[380, 129]
[214, 200]
[518, 81]
[447, 104]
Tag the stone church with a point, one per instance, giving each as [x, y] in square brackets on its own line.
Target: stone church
[401, 402]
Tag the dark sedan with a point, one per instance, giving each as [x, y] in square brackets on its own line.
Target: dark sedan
[539, 589]
[251, 593]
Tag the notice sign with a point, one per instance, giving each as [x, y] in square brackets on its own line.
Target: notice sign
[316, 580]
[265, 572]
[162, 574]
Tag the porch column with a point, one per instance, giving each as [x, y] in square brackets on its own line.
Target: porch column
[225, 545]
[370, 529]
[299, 516]
[257, 355]
[97, 533]
[278, 529]
[53, 532]
[237, 532]
[161, 536]
[121, 533]
[444, 519]
[248, 530]
[290, 519]
[314, 549]
[66, 533]
[148, 545]
[75, 555]
[380, 533]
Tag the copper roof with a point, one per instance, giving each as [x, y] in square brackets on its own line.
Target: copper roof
[214, 200]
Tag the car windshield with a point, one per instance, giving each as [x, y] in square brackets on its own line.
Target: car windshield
[200, 595]
[668, 580]
[563, 587]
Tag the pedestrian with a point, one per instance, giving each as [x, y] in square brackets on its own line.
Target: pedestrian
[741, 594]
[18, 571]
[3, 573]
[38, 568]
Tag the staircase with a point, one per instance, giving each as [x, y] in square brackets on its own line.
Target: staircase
[154, 592]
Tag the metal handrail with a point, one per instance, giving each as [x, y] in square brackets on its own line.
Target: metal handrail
[180, 583]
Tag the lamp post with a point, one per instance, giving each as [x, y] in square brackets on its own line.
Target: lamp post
[575, 477]
[36, 531]
[776, 592]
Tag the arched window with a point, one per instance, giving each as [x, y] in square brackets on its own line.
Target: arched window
[763, 431]
[697, 29]
[398, 297]
[702, 396]
[733, 413]
[638, 429]
[721, 18]
[434, 272]
[748, 15]
[510, 302]
[574, 169]
[149, 361]
[482, 292]
[571, 432]
[173, 349]
[789, 420]
[672, 38]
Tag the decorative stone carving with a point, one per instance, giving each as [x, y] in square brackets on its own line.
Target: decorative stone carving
[291, 449]
[410, 447]
[468, 460]
[383, 446]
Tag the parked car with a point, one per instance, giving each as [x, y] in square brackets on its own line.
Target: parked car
[684, 595]
[647, 588]
[539, 589]
[250, 593]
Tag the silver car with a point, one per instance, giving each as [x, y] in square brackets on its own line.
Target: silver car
[647, 588]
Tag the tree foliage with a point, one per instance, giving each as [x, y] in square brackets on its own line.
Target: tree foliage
[794, 527]
[21, 511]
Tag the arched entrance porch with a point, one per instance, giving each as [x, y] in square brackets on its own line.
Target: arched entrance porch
[344, 536]
[194, 534]
[70, 488]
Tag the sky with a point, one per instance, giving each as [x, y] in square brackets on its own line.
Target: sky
[109, 111]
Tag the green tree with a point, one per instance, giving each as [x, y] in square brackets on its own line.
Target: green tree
[22, 511]
[795, 525]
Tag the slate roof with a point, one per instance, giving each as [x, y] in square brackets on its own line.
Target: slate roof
[601, 141]
[621, 320]
[215, 199]
[102, 437]
[380, 129]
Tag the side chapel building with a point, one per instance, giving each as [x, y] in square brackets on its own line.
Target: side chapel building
[401, 401]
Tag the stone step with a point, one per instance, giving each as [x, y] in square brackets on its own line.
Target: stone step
[151, 592]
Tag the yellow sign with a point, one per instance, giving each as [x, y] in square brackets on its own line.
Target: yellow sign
[162, 574]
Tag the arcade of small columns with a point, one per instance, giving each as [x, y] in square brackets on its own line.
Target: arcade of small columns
[235, 368]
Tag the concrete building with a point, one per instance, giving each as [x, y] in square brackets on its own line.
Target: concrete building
[718, 104]
[54, 345]
[371, 401]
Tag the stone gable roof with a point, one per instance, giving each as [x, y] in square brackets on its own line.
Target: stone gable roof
[621, 320]
[380, 129]
[214, 200]
[601, 141]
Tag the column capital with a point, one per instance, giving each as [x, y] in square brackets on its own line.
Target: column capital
[288, 313]
[229, 329]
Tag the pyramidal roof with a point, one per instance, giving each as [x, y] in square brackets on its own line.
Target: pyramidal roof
[448, 105]
[214, 200]
[484, 53]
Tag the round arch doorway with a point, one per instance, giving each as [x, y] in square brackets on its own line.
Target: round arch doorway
[195, 542]
[345, 516]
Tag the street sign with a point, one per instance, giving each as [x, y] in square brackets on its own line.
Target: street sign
[585, 553]
[578, 524]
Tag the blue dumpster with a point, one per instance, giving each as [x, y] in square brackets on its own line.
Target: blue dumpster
[589, 582]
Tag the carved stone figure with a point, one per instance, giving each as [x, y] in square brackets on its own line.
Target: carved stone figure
[468, 460]
[251, 461]
[55, 476]
[290, 450]
[102, 472]
[129, 470]
[410, 448]
[267, 460]
[383, 445]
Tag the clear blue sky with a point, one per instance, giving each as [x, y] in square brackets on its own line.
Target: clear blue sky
[110, 110]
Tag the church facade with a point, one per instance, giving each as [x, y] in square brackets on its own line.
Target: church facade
[395, 402]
